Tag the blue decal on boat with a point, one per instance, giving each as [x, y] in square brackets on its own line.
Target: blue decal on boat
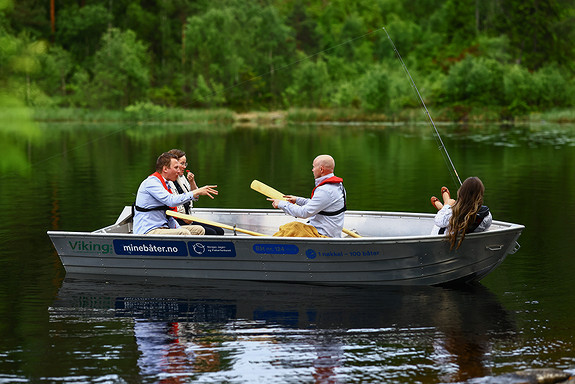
[276, 249]
[310, 253]
[212, 249]
[150, 247]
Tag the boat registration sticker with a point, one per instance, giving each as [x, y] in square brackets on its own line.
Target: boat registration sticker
[276, 249]
[211, 249]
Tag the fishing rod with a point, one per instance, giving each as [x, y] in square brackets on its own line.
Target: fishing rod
[438, 136]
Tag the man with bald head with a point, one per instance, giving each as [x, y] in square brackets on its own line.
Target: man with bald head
[325, 209]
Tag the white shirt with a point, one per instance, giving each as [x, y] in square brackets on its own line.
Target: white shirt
[328, 197]
[442, 217]
[186, 187]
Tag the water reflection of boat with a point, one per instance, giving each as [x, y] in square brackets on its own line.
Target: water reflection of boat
[291, 305]
[183, 328]
[396, 249]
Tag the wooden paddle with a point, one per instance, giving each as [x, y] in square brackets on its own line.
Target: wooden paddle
[268, 191]
[205, 221]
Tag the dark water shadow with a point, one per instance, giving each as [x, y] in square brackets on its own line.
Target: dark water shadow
[474, 308]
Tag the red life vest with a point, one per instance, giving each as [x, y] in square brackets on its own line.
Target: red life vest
[165, 186]
[332, 180]
[329, 180]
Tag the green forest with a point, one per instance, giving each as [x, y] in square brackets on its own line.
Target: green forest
[513, 56]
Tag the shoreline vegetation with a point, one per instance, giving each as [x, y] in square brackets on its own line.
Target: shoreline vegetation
[311, 61]
[149, 114]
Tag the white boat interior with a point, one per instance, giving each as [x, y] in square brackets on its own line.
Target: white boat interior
[368, 224]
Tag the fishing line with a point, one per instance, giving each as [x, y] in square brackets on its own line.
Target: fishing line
[437, 135]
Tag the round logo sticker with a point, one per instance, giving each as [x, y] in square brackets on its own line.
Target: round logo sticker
[310, 253]
[199, 248]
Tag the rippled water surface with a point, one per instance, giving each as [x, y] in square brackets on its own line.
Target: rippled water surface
[60, 328]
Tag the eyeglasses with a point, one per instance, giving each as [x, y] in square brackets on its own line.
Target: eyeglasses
[184, 164]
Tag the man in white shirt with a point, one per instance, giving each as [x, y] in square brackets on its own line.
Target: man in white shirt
[327, 205]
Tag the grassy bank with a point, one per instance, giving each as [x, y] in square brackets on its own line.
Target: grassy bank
[456, 114]
[153, 114]
[143, 114]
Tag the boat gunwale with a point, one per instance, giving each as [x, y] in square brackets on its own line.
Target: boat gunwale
[503, 228]
[371, 239]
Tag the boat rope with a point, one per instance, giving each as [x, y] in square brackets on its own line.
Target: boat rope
[442, 147]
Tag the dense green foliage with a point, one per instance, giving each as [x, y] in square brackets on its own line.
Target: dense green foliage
[516, 55]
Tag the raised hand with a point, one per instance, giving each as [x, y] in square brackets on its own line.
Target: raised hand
[206, 190]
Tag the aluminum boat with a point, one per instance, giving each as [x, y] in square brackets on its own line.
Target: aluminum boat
[394, 249]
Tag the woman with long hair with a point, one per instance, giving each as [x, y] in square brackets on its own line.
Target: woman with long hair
[465, 215]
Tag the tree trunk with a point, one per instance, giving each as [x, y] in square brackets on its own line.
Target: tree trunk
[53, 18]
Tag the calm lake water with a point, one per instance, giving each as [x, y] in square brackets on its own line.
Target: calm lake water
[69, 329]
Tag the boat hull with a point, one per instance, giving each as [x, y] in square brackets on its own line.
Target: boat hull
[392, 260]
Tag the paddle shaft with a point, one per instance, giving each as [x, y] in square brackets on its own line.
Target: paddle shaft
[216, 224]
[268, 191]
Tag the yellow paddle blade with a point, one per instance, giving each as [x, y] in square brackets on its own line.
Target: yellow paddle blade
[266, 190]
[209, 222]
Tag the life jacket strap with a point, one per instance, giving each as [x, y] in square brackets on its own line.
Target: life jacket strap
[481, 214]
[333, 180]
[181, 191]
[334, 213]
[162, 208]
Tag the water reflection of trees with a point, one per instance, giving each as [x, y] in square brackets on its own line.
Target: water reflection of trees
[18, 137]
[69, 165]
